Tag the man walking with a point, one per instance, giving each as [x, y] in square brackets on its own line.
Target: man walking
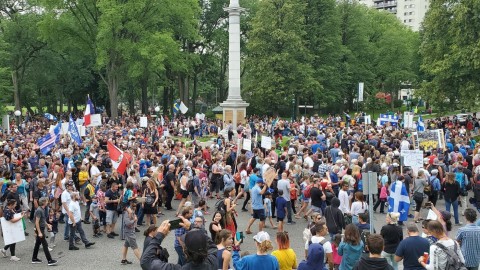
[412, 248]
[40, 224]
[257, 202]
[112, 199]
[75, 222]
[468, 237]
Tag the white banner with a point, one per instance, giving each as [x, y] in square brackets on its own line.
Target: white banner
[6, 124]
[266, 142]
[368, 119]
[360, 91]
[143, 122]
[12, 232]
[412, 158]
[408, 120]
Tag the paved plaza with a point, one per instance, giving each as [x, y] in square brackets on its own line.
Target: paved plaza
[106, 253]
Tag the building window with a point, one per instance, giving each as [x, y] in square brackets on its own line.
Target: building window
[406, 6]
[404, 21]
[410, 20]
[412, 5]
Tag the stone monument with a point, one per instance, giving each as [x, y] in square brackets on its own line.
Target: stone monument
[234, 108]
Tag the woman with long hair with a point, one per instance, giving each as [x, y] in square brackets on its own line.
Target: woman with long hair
[451, 193]
[230, 222]
[392, 235]
[350, 248]
[224, 243]
[286, 257]
[216, 225]
[150, 204]
[358, 207]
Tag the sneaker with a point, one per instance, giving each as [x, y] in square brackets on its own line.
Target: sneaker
[99, 234]
[52, 262]
[53, 245]
[89, 244]
[125, 262]
[73, 248]
[95, 235]
[50, 249]
[4, 252]
[110, 235]
[14, 258]
[291, 222]
[114, 234]
[86, 222]
[459, 224]
[36, 261]
[137, 230]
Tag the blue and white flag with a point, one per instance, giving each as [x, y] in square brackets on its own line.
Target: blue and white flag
[398, 201]
[179, 106]
[420, 124]
[50, 117]
[47, 142]
[73, 130]
[387, 118]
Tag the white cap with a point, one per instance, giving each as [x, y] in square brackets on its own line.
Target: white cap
[261, 236]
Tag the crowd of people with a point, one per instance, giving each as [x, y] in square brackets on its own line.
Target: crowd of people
[314, 176]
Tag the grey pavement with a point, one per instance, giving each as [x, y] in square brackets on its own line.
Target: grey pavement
[106, 253]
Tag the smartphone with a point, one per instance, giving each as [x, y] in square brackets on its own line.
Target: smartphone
[175, 224]
[239, 236]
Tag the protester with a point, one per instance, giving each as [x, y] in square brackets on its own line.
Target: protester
[9, 215]
[392, 235]
[350, 248]
[286, 257]
[261, 260]
[468, 237]
[315, 258]
[411, 248]
[374, 261]
[75, 222]
[129, 222]
[224, 243]
[40, 238]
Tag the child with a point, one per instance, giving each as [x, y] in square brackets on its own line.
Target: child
[337, 259]
[281, 205]
[53, 221]
[383, 199]
[129, 221]
[94, 214]
[267, 203]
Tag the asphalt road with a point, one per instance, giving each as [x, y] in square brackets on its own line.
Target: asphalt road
[106, 253]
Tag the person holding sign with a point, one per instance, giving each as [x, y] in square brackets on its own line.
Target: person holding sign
[257, 191]
[9, 215]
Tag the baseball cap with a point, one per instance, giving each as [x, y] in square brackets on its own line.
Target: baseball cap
[196, 240]
[259, 181]
[261, 236]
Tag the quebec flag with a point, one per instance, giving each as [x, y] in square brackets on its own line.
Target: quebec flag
[72, 128]
[398, 201]
[420, 124]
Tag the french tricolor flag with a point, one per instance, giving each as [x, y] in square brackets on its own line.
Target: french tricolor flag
[89, 110]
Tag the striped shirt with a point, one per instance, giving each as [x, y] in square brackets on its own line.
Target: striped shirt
[469, 236]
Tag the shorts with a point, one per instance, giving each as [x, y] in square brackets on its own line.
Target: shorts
[259, 214]
[305, 200]
[184, 193]
[316, 209]
[280, 219]
[112, 217]
[130, 242]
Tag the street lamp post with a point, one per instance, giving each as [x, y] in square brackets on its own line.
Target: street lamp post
[157, 109]
[293, 109]
[18, 113]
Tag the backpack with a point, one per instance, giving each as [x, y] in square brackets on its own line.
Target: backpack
[363, 236]
[427, 189]
[460, 178]
[476, 190]
[306, 191]
[220, 205]
[321, 242]
[453, 260]
[190, 185]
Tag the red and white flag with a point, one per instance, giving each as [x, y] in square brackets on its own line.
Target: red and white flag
[119, 158]
[89, 110]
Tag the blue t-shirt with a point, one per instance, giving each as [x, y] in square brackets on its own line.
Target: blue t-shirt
[255, 262]
[334, 179]
[281, 204]
[410, 249]
[257, 202]
[252, 181]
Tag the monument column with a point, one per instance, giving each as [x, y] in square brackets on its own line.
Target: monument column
[234, 108]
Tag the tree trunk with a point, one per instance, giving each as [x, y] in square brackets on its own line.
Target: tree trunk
[195, 93]
[16, 90]
[112, 85]
[144, 88]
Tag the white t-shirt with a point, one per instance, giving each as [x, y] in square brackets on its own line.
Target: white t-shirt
[95, 171]
[344, 202]
[74, 208]
[327, 246]
[358, 208]
[66, 198]
[243, 176]
[284, 184]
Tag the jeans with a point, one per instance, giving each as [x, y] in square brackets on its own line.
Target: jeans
[66, 234]
[390, 259]
[79, 229]
[181, 255]
[41, 241]
[168, 202]
[140, 215]
[449, 203]
[87, 211]
[289, 211]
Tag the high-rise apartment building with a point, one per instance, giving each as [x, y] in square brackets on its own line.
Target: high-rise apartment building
[409, 12]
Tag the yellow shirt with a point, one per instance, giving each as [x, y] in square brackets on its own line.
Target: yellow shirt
[287, 260]
[82, 177]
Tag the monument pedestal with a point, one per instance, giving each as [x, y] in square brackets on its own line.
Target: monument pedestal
[234, 111]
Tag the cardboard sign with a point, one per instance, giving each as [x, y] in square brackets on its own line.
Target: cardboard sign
[266, 142]
[12, 232]
[412, 158]
[247, 144]
[95, 120]
[143, 122]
